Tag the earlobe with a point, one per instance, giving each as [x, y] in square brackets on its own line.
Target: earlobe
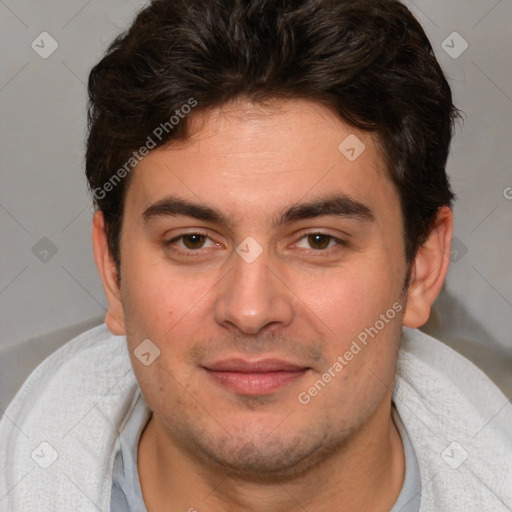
[108, 272]
[429, 270]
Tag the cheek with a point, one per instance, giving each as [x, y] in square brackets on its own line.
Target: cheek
[364, 322]
[168, 307]
[349, 300]
[155, 298]
[149, 305]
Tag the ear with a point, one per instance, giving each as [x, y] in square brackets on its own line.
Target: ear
[108, 273]
[428, 270]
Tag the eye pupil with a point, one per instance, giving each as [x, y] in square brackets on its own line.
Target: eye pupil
[194, 241]
[319, 241]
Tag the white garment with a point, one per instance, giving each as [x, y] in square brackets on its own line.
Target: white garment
[75, 402]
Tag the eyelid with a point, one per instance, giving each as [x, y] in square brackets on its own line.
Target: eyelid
[192, 231]
[198, 231]
[339, 241]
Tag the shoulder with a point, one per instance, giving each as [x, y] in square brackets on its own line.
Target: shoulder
[67, 413]
[429, 368]
[460, 425]
[74, 365]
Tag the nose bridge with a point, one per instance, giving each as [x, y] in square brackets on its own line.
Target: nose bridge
[252, 297]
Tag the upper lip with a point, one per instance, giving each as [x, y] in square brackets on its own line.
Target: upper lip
[259, 366]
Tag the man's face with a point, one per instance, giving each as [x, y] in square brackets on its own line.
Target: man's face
[267, 280]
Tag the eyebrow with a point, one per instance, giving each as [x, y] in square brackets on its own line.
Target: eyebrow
[339, 205]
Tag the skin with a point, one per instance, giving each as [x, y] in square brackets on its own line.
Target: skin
[210, 448]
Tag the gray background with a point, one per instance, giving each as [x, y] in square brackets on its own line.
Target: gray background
[47, 297]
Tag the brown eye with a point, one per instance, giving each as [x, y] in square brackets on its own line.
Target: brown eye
[193, 241]
[319, 241]
[191, 244]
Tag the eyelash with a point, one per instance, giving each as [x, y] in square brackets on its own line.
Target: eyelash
[186, 252]
[199, 252]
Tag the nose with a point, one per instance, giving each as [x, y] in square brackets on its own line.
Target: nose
[253, 296]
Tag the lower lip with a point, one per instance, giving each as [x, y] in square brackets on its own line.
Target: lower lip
[256, 383]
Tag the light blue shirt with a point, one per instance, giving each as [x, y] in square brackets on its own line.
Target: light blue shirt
[126, 489]
[409, 498]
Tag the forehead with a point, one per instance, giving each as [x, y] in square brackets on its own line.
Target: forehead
[246, 155]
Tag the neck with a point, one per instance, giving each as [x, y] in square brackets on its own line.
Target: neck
[366, 473]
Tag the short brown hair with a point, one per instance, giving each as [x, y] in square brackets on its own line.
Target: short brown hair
[368, 60]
